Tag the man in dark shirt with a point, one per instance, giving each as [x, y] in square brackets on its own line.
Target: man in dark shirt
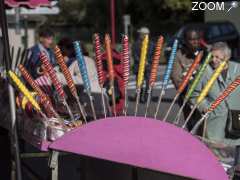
[45, 42]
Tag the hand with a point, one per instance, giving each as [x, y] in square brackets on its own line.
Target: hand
[205, 110]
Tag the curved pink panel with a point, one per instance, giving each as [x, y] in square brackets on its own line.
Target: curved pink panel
[29, 3]
[145, 143]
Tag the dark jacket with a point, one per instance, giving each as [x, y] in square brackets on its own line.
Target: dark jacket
[34, 62]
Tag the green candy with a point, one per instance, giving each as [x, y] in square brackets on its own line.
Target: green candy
[198, 76]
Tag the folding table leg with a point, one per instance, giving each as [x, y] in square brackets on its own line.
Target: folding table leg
[134, 173]
[53, 164]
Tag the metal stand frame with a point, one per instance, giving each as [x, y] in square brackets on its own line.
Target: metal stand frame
[7, 60]
[53, 164]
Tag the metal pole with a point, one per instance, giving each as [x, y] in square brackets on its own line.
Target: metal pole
[7, 59]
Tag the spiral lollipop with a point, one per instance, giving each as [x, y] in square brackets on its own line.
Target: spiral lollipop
[68, 78]
[52, 74]
[98, 59]
[126, 67]
[141, 69]
[167, 74]
[193, 85]
[206, 89]
[154, 68]
[110, 69]
[185, 81]
[44, 98]
[83, 70]
[26, 93]
[231, 87]
[99, 66]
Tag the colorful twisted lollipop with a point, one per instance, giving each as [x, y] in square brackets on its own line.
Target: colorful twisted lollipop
[65, 71]
[52, 74]
[225, 94]
[185, 81]
[110, 69]
[210, 82]
[126, 68]
[82, 66]
[99, 66]
[206, 89]
[141, 70]
[193, 85]
[155, 61]
[231, 87]
[98, 59]
[167, 74]
[125, 60]
[192, 68]
[83, 70]
[69, 80]
[44, 98]
[154, 68]
[24, 90]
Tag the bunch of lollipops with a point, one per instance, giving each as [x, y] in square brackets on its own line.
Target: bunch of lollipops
[44, 106]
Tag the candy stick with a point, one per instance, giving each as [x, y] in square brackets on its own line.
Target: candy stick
[69, 79]
[185, 81]
[193, 86]
[206, 89]
[99, 66]
[52, 74]
[23, 89]
[126, 69]
[167, 74]
[44, 98]
[154, 68]
[110, 70]
[141, 70]
[231, 87]
[84, 74]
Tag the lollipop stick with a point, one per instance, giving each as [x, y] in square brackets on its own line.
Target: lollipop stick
[137, 101]
[92, 106]
[103, 103]
[148, 100]
[68, 109]
[189, 116]
[125, 103]
[195, 128]
[171, 106]
[44, 116]
[177, 119]
[81, 109]
[113, 100]
[159, 102]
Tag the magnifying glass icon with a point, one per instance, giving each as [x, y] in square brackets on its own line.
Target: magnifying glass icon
[234, 4]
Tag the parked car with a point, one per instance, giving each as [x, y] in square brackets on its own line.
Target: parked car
[211, 32]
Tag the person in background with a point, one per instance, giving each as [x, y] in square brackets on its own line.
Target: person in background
[90, 64]
[184, 58]
[67, 49]
[216, 123]
[136, 50]
[45, 43]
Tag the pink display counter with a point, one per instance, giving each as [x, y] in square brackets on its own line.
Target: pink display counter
[144, 143]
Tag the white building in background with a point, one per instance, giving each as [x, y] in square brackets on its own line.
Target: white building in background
[17, 39]
[19, 31]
